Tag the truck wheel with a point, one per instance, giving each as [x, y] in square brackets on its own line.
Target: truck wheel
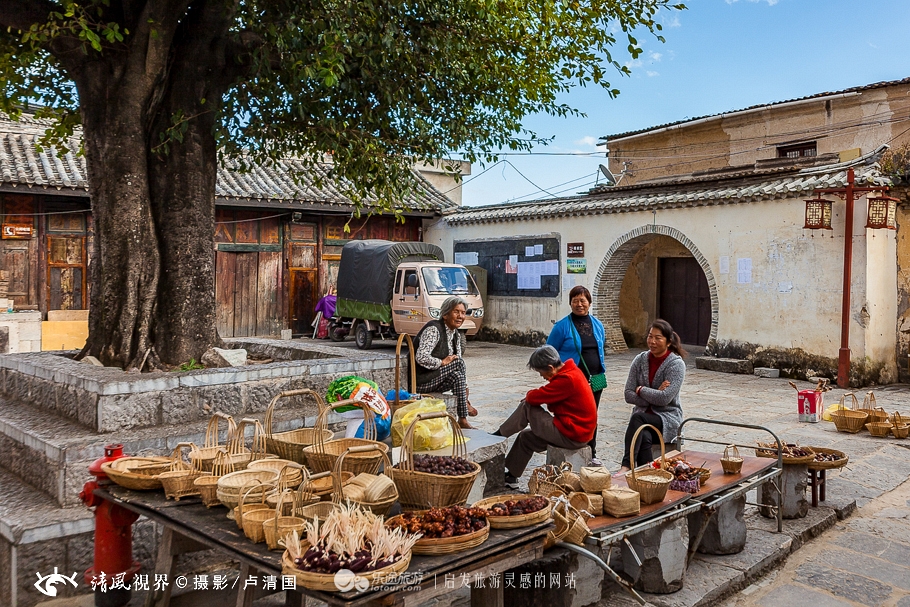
[336, 333]
[363, 336]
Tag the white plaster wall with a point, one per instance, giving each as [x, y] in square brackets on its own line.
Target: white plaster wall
[881, 299]
[768, 311]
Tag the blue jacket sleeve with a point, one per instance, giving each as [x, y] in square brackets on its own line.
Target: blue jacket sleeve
[561, 339]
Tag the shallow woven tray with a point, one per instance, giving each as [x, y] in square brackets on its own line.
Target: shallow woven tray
[828, 465]
[448, 545]
[275, 465]
[326, 581]
[513, 522]
[789, 461]
[121, 473]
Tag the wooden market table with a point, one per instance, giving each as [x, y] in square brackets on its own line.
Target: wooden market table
[190, 526]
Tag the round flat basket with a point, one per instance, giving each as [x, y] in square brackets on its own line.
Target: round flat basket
[230, 485]
[839, 463]
[291, 479]
[449, 545]
[122, 472]
[322, 457]
[771, 452]
[519, 520]
[326, 581]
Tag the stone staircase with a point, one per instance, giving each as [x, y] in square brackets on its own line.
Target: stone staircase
[57, 415]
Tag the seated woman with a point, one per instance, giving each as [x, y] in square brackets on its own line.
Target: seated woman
[655, 379]
[571, 419]
[439, 348]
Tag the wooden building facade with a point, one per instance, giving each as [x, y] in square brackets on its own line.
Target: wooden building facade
[278, 234]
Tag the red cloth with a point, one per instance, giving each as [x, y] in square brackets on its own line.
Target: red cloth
[568, 397]
[654, 364]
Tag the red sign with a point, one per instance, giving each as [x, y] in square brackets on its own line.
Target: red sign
[575, 249]
[17, 230]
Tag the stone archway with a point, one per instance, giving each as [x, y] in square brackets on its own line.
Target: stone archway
[612, 272]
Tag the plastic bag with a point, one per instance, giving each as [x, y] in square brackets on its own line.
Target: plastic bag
[826, 414]
[430, 434]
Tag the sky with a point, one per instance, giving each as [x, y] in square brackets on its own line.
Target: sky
[719, 56]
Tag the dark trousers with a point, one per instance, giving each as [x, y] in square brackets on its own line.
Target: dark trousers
[645, 438]
[535, 429]
[593, 443]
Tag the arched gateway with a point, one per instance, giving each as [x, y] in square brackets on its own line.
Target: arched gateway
[612, 272]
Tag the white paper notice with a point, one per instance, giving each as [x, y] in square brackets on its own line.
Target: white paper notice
[513, 259]
[538, 249]
[744, 270]
[529, 251]
[785, 287]
[550, 268]
[528, 278]
[568, 281]
[466, 259]
[724, 265]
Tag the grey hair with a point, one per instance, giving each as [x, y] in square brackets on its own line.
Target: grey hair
[543, 358]
[449, 304]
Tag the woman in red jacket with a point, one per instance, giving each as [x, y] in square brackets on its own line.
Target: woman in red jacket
[569, 422]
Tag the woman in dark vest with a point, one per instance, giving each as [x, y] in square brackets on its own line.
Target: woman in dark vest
[439, 348]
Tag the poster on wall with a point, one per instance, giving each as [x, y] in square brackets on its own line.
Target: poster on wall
[577, 266]
[744, 270]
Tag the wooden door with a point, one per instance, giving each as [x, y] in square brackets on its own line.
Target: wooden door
[66, 280]
[303, 286]
[247, 293]
[15, 259]
[684, 300]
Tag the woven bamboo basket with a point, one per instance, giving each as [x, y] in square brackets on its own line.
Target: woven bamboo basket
[519, 520]
[652, 484]
[732, 461]
[581, 501]
[322, 455]
[179, 480]
[840, 463]
[543, 473]
[277, 527]
[558, 532]
[568, 478]
[379, 507]
[241, 455]
[899, 428]
[302, 496]
[578, 530]
[769, 450]
[123, 472]
[422, 490]
[849, 420]
[254, 490]
[449, 545]
[290, 478]
[204, 457]
[230, 485]
[291, 443]
[318, 510]
[326, 581]
[208, 483]
[879, 429]
[250, 516]
[870, 407]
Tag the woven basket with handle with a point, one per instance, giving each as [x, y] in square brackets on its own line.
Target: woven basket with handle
[422, 490]
[899, 428]
[280, 525]
[208, 483]
[290, 444]
[322, 455]
[652, 484]
[379, 507]
[203, 458]
[732, 461]
[179, 480]
[252, 516]
[849, 420]
[578, 530]
[241, 455]
[312, 509]
[870, 407]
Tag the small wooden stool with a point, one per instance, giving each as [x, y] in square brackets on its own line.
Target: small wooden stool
[817, 481]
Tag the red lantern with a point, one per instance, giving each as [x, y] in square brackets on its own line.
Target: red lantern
[818, 214]
[882, 213]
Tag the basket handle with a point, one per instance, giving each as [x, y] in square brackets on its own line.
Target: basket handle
[285, 472]
[663, 448]
[369, 421]
[244, 492]
[177, 462]
[869, 400]
[337, 492]
[320, 404]
[280, 502]
[211, 430]
[412, 367]
[223, 464]
[258, 445]
[730, 451]
[898, 421]
[855, 406]
[406, 455]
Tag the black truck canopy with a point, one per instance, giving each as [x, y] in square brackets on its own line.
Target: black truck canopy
[367, 270]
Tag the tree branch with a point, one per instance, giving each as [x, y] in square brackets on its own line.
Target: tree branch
[21, 14]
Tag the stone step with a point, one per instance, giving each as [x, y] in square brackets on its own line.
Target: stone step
[724, 365]
[52, 453]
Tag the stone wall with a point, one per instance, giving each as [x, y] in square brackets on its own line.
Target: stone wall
[24, 331]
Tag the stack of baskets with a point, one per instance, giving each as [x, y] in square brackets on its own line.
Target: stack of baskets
[849, 420]
[421, 490]
[290, 472]
[732, 461]
[570, 525]
[230, 485]
[550, 480]
[651, 484]
[290, 444]
[322, 455]
[179, 480]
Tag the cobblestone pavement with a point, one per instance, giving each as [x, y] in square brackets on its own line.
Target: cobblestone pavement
[864, 560]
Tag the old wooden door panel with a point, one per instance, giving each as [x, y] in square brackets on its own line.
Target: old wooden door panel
[268, 310]
[225, 268]
[15, 260]
[302, 300]
[246, 289]
[66, 284]
[684, 299]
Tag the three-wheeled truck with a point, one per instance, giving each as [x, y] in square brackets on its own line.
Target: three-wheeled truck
[387, 288]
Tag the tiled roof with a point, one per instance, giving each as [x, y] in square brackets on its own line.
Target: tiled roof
[23, 162]
[856, 89]
[728, 189]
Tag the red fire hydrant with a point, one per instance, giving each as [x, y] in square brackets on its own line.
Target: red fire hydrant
[113, 539]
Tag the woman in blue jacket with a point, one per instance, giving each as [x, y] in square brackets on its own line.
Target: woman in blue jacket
[580, 337]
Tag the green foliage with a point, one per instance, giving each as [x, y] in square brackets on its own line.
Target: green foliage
[379, 85]
[192, 365]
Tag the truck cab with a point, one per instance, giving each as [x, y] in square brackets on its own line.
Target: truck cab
[421, 287]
